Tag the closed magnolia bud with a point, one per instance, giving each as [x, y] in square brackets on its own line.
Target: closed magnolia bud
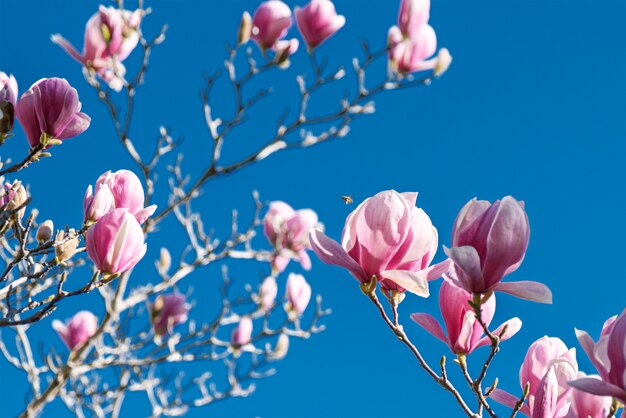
[8, 96]
[168, 311]
[298, 294]
[62, 118]
[165, 262]
[44, 232]
[267, 293]
[280, 349]
[13, 197]
[66, 245]
[77, 330]
[444, 59]
[243, 333]
[245, 29]
[317, 21]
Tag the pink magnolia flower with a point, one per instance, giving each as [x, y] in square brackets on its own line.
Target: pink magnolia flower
[586, 405]
[77, 330]
[465, 333]
[168, 311]
[243, 333]
[386, 237]
[115, 243]
[489, 241]
[408, 55]
[318, 21]
[608, 355]
[547, 368]
[268, 292]
[110, 36]
[270, 24]
[298, 293]
[8, 96]
[288, 231]
[413, 15]
[121, 189]
[51, 108]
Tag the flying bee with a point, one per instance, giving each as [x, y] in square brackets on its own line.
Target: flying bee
[347, 199]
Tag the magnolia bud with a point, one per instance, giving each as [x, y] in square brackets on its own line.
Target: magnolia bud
[444, 59]
[13, 197]
[280, 349]
[44, 233]
[164, 263]
[245, 29]
[65, 248]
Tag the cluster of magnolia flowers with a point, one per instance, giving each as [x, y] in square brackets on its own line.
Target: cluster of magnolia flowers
[114, 211]
[390, 242]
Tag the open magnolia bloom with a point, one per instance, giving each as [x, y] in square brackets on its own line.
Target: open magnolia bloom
[387, 238]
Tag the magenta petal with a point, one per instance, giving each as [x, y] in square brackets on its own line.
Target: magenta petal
[504, 398]
[467, 260]
[533, 291]
[438, 270]
[430, 324]
[411, 281]
[330, 252]
[79, 124]
[598, 387]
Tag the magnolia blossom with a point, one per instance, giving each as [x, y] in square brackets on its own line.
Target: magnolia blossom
[489, 241]
[298, 293]
[13, 197]
[116, 242]
[121, 189]
[547, 368]
[608, 356]
[413, 41]
[270, 24]
[288, 231]
[62, 117]
[586, 405]
[110, 36]
[268, 292]
[8, 97]
[318, 21]
[242, 334]
[77, 330]
[465, 333]
[387, 238]
[168, 311]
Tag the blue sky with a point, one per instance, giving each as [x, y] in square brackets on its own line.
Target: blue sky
[533, 106]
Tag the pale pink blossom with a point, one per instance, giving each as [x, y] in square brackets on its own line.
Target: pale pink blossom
[168, 311]
[13, 197]
[118, 190]
[586, 405]
[608, 355]
[270, 24]
[387, 238]
[489, 241]
[268, 292]
[298, 293]
[548, 367]
[318, 21]
[242, 334]
[464, 332]
[412, 54]
[288, 232]
[115, 243]
[51, 108]
[110, 36]
[77, 330]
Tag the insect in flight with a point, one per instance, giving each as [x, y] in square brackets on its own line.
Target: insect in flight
[347, 199]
